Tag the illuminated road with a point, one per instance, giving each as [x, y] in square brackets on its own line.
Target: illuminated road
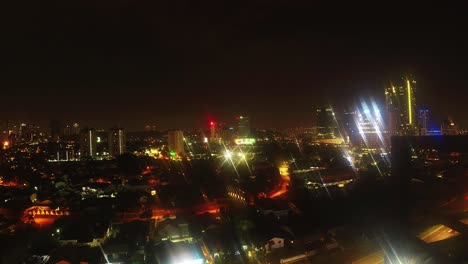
[437, 233]
[211, 208]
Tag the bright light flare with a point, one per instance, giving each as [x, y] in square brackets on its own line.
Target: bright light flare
[193, 261]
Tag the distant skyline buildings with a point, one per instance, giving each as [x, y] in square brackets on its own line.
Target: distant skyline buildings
[371, 127]
[215, 135]
[243, 126]
[326, 124]
[117, 142]
[424, 121]
[400, 104]
[401, 108]
[88, 143]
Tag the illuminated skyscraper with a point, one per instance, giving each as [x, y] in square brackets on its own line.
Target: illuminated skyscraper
[349, 128]
[423, 119]
[214, 133]
[243, 126]
[401, 109]
[176, 143]
[448, 128]
[326, 123]
[88, 143]
[117, 142]
[369, 125]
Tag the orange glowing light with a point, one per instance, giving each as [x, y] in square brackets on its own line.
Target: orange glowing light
[283, 188]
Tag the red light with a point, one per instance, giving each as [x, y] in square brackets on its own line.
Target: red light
[211, 123]
[466, 198]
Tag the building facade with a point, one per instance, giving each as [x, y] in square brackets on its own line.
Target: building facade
[243, 126]
[401, 111]
[117, 142]
[326, 123]
[88, 143]
[176, 143]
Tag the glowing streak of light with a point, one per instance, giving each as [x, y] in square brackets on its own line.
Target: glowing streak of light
[322, 181]
[243, 156]
[376, 124]
[343, 149]
[393, 251]
[325, 186]
[104, 254]
[230, 160]
[410, 107]
[298, 145]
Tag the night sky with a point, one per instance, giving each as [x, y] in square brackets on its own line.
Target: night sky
[181, 63]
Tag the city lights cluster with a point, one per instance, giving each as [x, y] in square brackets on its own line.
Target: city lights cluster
[370, 125]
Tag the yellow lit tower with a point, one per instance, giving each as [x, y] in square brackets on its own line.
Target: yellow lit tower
[401, 108]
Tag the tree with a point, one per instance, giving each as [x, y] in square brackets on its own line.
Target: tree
[129, 164]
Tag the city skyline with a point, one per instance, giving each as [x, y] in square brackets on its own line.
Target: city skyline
[179, 66]
[233, 132]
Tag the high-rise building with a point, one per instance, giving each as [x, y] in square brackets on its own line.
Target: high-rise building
[88, 143]
[449, 128]
[29, 133]
[117, 142]
[326, 123]
[176, 143]
[401, 109]
[243, 126]
[214, 133]
[423, 121]
[350, 130]
[102, 139]
[369, 126]
[227, 133]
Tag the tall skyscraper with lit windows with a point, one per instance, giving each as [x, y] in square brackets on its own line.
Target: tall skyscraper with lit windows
[326, 123]
[423, 119]
[369, 126]
[243, 126]
[401, 111]
[214, 133]
[117, 142]
[88, 143]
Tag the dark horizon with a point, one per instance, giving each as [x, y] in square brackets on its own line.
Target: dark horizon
[180, 65]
